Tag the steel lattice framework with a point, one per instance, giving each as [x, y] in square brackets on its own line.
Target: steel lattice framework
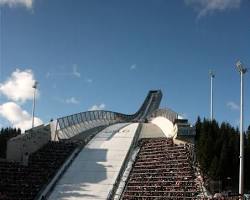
[71, 125]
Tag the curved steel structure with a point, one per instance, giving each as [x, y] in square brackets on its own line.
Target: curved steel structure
[69, 126]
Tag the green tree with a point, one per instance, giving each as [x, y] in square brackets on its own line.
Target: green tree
[198, 126]
[213, 168]
[247, 159]
[217, 149]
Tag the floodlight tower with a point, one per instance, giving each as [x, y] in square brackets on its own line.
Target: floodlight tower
[34, 102]
[212, 75]
[242, 70]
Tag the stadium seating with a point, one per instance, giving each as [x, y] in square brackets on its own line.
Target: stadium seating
[18, 182]
[162, 170]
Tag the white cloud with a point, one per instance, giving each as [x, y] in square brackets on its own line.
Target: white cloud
[72, 100]
[233, 106]
[89, 80]
[133, 67]
[75, 72]
[61, 73]
[97, 107]
[237, 122]
[13, 3]
[19, 86]
[48, 74]
[205, 7]
[17, 117]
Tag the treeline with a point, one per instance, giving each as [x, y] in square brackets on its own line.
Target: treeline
[217, 150]
[5, 135]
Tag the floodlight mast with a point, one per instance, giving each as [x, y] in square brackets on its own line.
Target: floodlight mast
[242, 70]
[34, 103]
[212, 75]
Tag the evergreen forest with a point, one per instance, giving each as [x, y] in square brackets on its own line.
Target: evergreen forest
[217, 149]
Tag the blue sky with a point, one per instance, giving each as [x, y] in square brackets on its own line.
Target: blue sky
[108, 54]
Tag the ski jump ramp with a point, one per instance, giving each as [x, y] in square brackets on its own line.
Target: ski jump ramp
[95, 169]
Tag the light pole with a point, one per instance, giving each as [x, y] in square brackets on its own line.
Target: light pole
[34, 102]
[242, 71]
[212, 75]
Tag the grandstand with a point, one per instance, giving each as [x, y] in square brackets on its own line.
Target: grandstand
[162, 169]
[104, 155]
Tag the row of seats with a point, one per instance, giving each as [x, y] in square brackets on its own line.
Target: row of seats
[162, 170]
[224, 198]
[19, 182]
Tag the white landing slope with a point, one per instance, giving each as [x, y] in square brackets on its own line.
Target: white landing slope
[95, 169]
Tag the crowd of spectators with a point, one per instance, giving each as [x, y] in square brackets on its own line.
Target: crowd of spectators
[20, 182]
[162, 170]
